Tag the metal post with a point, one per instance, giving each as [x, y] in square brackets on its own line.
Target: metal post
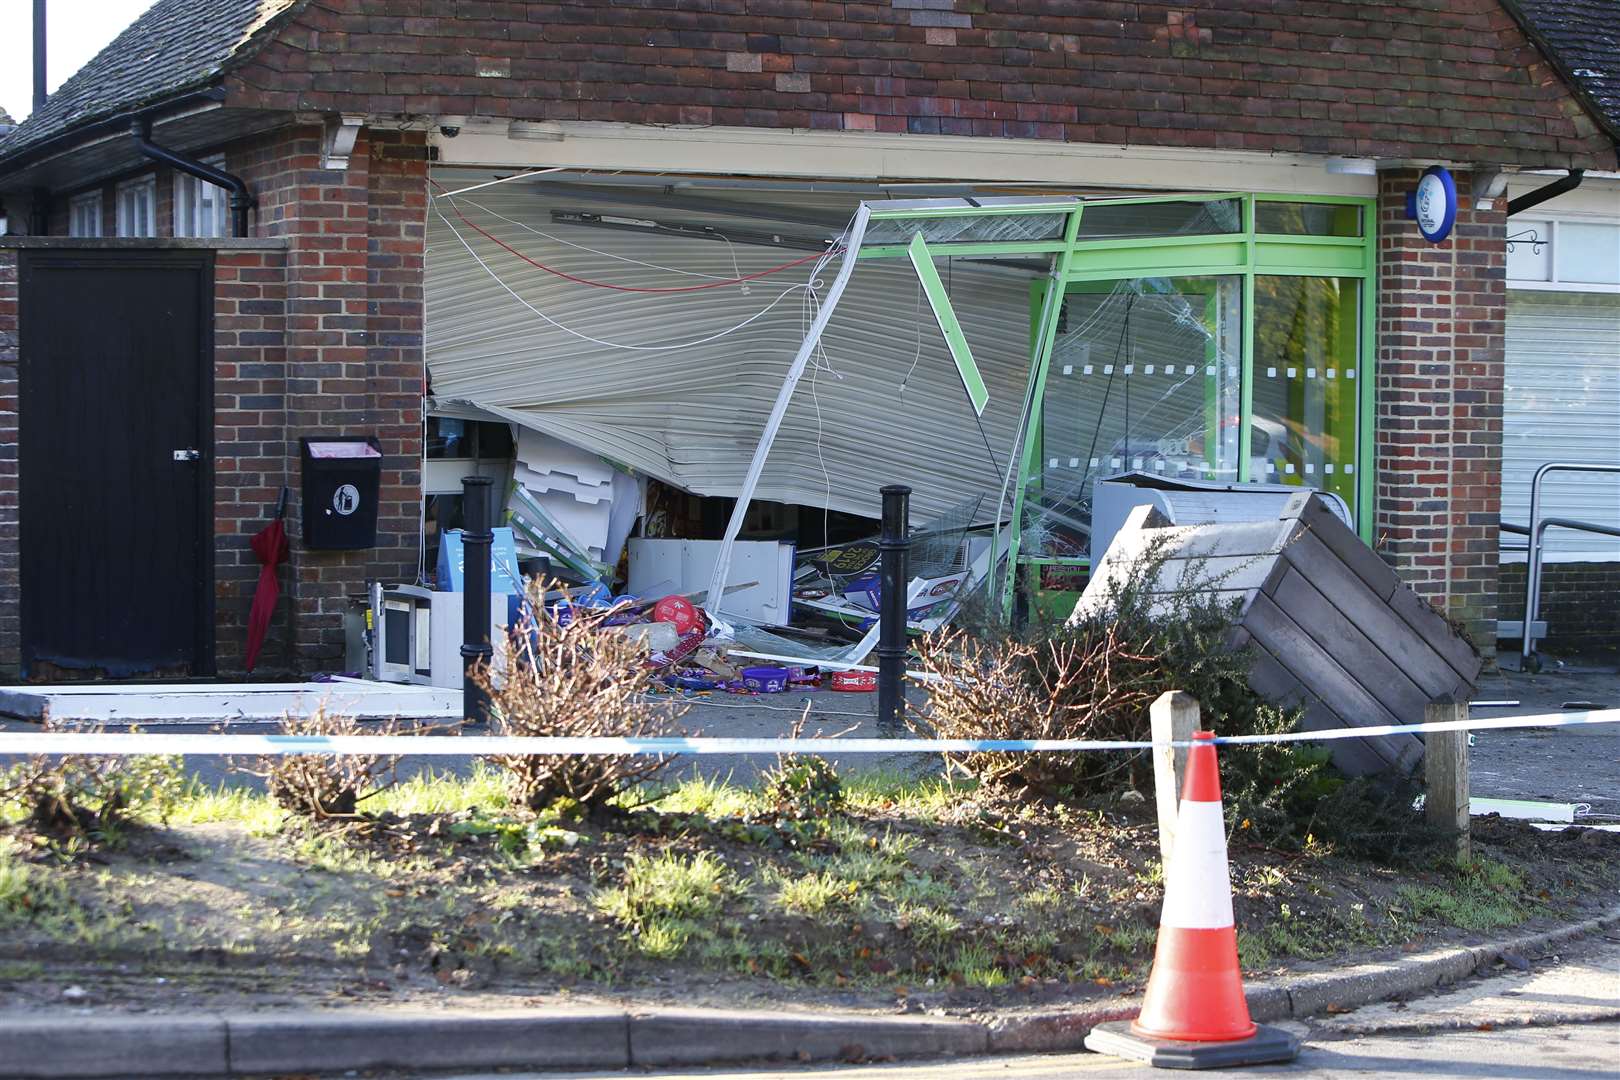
[39, 55]
[476, 542]
[894, 544]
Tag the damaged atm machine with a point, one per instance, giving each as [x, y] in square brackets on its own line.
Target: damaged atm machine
[692, 390]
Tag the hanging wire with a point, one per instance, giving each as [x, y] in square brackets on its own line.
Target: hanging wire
[815, 257]
[783, 295]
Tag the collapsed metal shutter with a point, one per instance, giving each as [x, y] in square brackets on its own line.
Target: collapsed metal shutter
[1562, 403]
[692, 416]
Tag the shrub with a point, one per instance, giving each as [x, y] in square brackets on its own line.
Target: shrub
[92, 799]
[574, 677]
[1093, 678]
[323, 785]
[803, 786]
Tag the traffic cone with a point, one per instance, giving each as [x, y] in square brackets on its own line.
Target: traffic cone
[1194, 1015]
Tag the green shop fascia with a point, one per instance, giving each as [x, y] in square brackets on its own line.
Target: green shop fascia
[1214, 336]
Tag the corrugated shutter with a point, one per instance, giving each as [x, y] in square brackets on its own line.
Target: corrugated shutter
[1562, 403]
[692, 416]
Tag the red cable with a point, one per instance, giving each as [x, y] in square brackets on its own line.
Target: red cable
[626, 288]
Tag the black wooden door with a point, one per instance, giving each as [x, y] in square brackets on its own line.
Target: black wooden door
[115, 433]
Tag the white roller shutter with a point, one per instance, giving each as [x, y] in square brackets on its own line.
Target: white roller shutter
[1562, 403]
[692, 416]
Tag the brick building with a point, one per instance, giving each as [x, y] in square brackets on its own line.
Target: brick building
[618, 136]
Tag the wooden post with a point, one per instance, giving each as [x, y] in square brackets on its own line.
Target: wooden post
[1174, 718]
[1445, 775]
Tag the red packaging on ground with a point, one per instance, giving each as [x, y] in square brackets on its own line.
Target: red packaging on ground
[854, 681]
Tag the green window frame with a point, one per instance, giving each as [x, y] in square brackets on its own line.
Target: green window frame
[1244, 253]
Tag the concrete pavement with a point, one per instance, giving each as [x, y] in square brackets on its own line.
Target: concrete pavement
[1566, 1052]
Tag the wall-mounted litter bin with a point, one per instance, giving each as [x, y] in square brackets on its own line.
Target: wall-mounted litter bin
[341, 474]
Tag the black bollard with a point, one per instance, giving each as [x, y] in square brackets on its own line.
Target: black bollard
[894, 544]
[476, 542]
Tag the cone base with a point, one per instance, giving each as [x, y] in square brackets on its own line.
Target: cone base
[1267, 1045]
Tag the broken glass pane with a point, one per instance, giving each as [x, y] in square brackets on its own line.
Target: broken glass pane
[987, 229]
[1144, 377]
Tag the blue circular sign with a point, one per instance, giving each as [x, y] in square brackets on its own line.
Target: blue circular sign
[1434, 204]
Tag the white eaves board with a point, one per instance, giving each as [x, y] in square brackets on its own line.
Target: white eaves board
[156, 703]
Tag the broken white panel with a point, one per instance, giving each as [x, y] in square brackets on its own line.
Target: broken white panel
[629, 496]
[689, 564]
[544, 454]
[585, 522]
[156, 703]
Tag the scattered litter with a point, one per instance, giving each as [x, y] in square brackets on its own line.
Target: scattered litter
[765, 680]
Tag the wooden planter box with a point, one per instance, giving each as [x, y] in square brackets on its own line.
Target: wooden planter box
[1334, 629]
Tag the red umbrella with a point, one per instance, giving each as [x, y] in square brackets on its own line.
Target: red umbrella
[270, 545]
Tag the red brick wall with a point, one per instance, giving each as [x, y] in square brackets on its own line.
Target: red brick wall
[1415, 80]
[353, 341]
[10, 591]
[1439, 410]
[250, 445]
[1580, 602]
[320, 337]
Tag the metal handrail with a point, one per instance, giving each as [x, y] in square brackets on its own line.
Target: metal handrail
[1537, 530]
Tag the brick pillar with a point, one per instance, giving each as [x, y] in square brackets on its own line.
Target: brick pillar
[10, 582]
[1441, 320]
[250, 446]
[354, 350]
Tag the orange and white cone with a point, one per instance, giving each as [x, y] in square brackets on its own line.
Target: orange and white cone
[1194, 1014]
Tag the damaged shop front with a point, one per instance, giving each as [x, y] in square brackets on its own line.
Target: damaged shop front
[689, 391]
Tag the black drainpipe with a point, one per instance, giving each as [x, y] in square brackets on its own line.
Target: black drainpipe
[1542, 194]
[241, 199]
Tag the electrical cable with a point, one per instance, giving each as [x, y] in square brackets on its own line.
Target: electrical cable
[814, 257]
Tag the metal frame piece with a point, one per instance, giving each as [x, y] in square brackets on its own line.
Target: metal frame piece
[773, 423]
[945, 315]
[1537, 532]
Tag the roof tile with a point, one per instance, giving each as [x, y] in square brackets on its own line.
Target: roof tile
[175, 46]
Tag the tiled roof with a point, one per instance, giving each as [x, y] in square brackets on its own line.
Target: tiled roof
[1407, 79]
[177, 45]
[1582, 37]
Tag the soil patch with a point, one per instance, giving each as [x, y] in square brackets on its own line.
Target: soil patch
[919, 900]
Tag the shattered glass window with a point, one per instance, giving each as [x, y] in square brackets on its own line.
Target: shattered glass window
[1144, 378]
[978, 229]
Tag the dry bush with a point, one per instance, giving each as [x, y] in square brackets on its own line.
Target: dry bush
[324, 785]
[89, 798]
[574, 677]
[1092, 679]
[1094, 684]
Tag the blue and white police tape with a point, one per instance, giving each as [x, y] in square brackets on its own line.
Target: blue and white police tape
[206, 745]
